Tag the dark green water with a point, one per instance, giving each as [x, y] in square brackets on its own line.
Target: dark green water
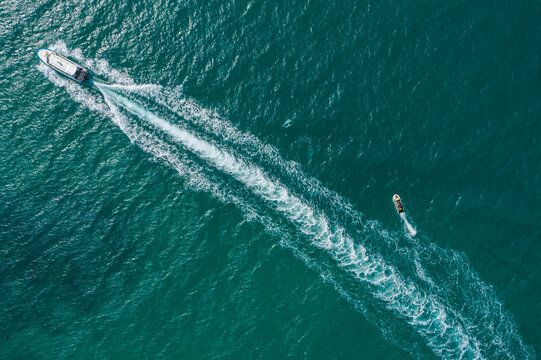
[224, 191]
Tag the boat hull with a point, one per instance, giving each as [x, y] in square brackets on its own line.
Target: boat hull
[64, 66]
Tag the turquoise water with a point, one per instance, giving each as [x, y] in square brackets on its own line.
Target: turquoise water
[224, 190]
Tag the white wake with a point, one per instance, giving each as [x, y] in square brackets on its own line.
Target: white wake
[411, 230]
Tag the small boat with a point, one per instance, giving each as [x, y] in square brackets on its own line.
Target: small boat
[64, 66]
[398, 204]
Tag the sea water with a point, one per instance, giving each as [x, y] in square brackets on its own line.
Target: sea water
[224, 191]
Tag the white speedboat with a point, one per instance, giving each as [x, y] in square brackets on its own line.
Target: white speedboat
[398, 204]
[64, 66]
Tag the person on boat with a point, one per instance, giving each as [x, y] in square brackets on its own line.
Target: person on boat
[81, 74]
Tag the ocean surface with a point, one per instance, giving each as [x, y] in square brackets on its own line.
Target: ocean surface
[224, 189]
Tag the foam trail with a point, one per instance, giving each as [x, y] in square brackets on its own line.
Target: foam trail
[253, 147]
[424, 312]
[411, 229]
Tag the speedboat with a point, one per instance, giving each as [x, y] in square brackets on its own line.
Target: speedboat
[64, 66]
[398, 204]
